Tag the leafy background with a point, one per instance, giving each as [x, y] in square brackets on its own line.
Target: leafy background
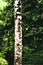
[7, 31]
[32, 24]
[32, 12]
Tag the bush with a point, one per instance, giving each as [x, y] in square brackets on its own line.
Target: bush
[3, 61]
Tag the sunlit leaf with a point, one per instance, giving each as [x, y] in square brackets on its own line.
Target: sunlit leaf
[2, 4]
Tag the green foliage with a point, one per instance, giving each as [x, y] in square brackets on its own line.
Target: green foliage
[7, 31]
[3, 61]
[2, 4]
[32, 24]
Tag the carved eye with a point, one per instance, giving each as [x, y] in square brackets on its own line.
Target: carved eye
[19, 9]
[19, 3]
[19, 23]
[18, 44]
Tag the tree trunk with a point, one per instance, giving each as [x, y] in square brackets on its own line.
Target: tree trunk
[18, 33]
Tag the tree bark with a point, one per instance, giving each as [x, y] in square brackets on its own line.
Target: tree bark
[18, 33]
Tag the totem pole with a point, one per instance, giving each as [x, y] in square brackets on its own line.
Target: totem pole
[18, 33]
